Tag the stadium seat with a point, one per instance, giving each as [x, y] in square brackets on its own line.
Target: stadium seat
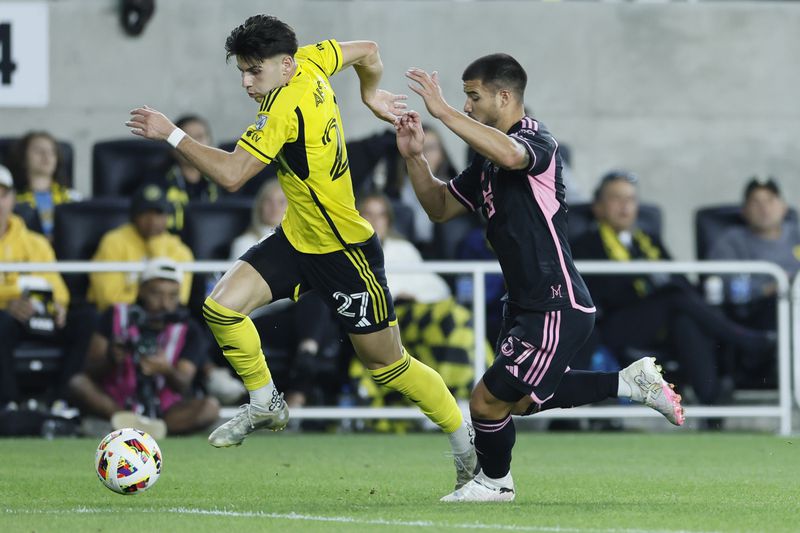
[250, 189]
[711, 222]
[580, 219]
[29, 215]
[448, 235]
[77, 230]
[37, 357]
[67, 154]
[403, 219]
[210, 228]
[120, 167]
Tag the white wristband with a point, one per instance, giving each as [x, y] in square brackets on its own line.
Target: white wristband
[175, 137]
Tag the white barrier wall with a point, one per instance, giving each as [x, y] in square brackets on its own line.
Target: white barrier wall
[692, 96]
[782, 411]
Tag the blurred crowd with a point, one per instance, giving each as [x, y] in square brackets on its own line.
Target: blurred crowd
[104, 350]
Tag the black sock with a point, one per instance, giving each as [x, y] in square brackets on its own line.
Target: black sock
[580, 387]
[494, 440]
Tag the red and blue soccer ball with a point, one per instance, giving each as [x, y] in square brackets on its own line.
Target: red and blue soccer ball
[128, 461]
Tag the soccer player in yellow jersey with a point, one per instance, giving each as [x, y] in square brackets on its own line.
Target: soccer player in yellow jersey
[323, 243]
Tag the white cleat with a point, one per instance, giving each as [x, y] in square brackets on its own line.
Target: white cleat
[466, 463]
[248, 419]
[649, 387]
[484, 489]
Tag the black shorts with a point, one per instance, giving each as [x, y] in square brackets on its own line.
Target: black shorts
[534, 350]
[351, 281]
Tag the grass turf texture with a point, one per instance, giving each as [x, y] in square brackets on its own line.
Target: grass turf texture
[295, 482]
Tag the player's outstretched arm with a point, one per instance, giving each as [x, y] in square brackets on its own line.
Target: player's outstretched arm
[229, 170]
[431, 192]
[364, 57]
[490, 142]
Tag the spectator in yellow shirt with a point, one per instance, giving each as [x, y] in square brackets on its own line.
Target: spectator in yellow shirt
[144, 237]
[32, 305]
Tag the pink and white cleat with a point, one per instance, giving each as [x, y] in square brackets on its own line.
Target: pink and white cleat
[649, 387]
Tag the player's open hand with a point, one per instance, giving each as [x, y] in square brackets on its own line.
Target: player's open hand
[410, 136]
[149, 123]
[427, 86]
[385, 105]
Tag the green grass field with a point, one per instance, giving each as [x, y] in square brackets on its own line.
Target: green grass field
[294, 482]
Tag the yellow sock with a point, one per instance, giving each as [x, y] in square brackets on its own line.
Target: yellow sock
[237, 336]
[422, 385]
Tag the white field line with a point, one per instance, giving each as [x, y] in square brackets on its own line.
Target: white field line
[334, 519]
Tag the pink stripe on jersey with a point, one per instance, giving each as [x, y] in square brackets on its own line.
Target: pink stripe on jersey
[544, 347]
[543, 188]
[457, 193]
[543, 368]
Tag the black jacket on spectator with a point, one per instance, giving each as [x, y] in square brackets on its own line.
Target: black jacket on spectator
[613, 292]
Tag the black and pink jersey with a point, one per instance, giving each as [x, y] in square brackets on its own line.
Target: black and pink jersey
[527, 225]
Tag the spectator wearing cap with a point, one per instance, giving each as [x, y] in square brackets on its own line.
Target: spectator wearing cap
[643, 312]
[143, 358]
[144, 237]
[32, 305]
[766, 236]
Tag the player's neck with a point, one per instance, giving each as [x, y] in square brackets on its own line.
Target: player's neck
[512, 117]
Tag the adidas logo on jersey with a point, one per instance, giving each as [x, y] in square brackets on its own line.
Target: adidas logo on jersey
[363, 323]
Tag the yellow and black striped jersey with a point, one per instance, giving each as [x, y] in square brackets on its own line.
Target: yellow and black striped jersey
[300, 127]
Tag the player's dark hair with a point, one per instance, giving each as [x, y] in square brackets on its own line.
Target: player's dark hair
[501, 71]
[261, 37]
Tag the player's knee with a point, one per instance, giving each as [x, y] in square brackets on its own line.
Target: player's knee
[526, 406]
[480, 406]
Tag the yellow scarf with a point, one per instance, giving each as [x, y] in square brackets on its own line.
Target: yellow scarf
[59, 192]
[616, 251]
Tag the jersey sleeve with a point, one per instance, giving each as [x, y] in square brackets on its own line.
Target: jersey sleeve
[326, 55]
[271, 130]
[540, 148]
[466, 187]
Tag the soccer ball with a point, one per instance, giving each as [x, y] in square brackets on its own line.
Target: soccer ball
[128, 461]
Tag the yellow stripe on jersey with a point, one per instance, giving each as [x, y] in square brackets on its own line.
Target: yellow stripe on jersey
[370, 284]
[381, 295]
[300, 126]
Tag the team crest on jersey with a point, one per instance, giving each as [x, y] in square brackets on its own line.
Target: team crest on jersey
[261, 122]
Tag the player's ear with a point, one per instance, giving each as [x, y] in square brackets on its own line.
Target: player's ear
[287, 63]
[505, 97]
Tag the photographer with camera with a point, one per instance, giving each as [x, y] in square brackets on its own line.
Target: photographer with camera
[34, 307]
[143, 358]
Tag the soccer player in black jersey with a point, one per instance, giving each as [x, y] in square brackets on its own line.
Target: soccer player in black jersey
[323, 243]
[515, 179]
